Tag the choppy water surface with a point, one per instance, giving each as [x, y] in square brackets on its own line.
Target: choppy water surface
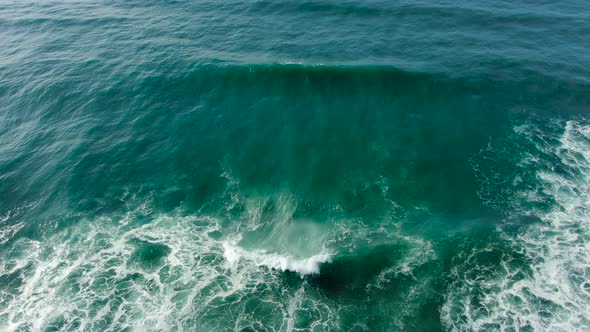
[294, 166]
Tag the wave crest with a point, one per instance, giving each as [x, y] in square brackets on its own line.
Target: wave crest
[284, 262]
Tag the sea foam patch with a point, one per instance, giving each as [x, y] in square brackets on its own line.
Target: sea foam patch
[168, 273]
[544, 285]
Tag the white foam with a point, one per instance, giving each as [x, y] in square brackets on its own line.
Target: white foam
[9, 228]
[553, 292]
[85, 277]
[7, 232]
[284, 262]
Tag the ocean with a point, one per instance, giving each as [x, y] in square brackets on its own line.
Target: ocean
[294, 165]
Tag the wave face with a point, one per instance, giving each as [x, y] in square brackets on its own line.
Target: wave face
[294, 166]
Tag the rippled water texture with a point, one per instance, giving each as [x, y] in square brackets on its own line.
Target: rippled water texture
[294, 166]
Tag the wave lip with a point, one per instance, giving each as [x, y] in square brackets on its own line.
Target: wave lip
[283, 262]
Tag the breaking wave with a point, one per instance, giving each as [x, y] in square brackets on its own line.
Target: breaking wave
[283, 262]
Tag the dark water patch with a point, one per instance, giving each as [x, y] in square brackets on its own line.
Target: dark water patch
[349, 275]
[149, 255]
[345, 8]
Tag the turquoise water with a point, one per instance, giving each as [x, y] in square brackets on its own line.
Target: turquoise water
[294, 166]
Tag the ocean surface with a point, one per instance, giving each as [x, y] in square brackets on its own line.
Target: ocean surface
[242, 165]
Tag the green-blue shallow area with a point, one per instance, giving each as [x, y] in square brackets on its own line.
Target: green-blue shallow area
[294, 166]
